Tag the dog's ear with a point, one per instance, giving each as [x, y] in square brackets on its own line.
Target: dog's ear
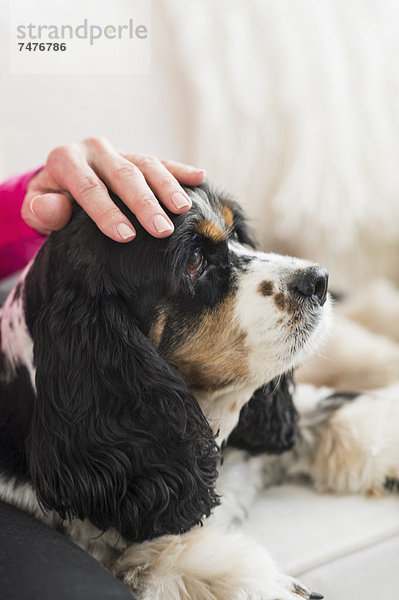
[116, 437]
[268, 423]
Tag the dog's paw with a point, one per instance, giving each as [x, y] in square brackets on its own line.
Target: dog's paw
[214, 588]
[205, 564]
[357, 448]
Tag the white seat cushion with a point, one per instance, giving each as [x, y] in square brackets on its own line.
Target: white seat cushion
[342, 546]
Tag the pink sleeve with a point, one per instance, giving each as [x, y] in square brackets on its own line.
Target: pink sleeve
[18, 242]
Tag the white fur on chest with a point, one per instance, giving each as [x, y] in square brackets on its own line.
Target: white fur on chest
[222, 410]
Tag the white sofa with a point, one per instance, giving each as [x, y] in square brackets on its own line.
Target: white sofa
[345, 547]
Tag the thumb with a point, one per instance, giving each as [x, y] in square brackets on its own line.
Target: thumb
[47, 212]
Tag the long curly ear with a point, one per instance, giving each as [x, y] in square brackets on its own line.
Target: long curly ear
[268, 423]
[116, 437]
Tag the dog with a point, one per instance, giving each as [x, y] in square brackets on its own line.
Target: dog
[127, 370]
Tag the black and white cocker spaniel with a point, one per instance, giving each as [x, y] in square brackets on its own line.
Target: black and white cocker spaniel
[125, 368]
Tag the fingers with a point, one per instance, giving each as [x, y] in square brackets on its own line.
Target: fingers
[70, 169]
[128, 181]
[84, 171]
[162, 182]
[163, 178]
[48, 212]
[184, 173]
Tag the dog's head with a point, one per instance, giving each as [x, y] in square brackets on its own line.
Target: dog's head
[144, 351]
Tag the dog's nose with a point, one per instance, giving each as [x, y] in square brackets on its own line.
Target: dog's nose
[311, 283]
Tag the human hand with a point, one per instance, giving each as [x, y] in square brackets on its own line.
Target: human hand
[82, 171]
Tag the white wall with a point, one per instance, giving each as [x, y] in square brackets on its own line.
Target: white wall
[143, 113]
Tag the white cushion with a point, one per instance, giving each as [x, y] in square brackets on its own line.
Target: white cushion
[341, 546]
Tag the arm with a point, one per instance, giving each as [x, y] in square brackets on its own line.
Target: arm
[18, 242]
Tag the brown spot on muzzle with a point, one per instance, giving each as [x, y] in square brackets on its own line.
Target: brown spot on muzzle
[279, 300]
[265, 288]
[285, 304]
[214, 353]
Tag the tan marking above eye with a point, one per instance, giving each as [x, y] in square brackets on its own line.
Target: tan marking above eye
[228, 216]
[266, 288]
[211, 231]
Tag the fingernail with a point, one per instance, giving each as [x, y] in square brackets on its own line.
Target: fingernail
[197, 171]
[180, 200]
[125, 231]
[32, 205]
[161, 224]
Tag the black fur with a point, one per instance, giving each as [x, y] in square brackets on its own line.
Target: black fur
[15, 417]
[343, 396]
[269, 422]
[334, 401]
[114, 434]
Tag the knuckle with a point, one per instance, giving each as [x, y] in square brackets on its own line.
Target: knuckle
[143, 202]
[125, 171]
[87, 184]
[108, 214]
[165, 183]
[147, 160]
[168, 163]
[57, 154]
[96, 141]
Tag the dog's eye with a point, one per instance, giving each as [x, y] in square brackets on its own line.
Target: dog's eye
[196, 263]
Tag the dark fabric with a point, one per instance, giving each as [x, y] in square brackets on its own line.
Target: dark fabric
[38, 563]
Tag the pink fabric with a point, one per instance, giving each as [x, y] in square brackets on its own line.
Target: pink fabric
[18, 242]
